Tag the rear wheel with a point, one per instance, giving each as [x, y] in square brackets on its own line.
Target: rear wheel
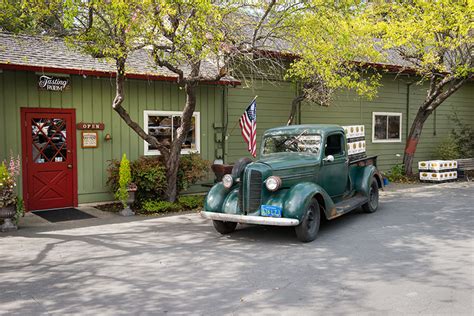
[373, 203]
[224, 227]
[307, 230]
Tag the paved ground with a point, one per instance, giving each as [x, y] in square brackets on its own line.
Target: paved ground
[414, 256]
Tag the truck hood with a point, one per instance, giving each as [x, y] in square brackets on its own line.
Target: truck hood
[283, 161]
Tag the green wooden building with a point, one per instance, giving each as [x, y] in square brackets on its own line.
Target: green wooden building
[56, 113]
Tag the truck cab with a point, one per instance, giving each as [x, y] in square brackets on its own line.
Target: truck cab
[303, 174]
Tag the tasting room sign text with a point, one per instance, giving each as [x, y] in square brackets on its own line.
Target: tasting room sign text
[50, 83]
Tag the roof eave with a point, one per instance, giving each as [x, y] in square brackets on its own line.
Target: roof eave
[109, 74]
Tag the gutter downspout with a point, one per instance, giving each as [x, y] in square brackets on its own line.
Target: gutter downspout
[225, 121]
[407, 119]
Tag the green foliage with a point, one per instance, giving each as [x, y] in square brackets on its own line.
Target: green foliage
[20, 209]
[396, 174]
[463, 137]
[187, 202]
[333, 40]
[124, 180]
[149, 174]
[191, 201]
[152, 206]
[448, 150]
[435, 37]
[8, 177]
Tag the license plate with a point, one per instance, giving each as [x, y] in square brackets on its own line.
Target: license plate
[270, 211]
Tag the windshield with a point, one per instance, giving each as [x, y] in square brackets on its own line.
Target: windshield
[291, 143]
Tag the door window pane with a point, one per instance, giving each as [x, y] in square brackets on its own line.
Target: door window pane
[334, 145]
[49, 140]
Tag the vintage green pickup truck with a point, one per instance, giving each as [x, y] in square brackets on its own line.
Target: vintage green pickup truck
[303, 173]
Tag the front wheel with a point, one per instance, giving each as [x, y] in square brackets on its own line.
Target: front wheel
[224, 227]
[307, 230]
[373, 203]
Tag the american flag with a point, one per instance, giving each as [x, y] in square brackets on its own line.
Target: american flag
[248, 127]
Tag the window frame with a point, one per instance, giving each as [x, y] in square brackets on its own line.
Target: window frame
[387, 114]
[156, 152]
[342, 144]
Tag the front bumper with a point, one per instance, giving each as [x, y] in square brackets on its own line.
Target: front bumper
[247, 219]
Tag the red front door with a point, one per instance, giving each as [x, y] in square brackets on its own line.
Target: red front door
[49, 158]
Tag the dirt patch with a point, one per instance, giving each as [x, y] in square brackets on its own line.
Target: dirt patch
[109, 207]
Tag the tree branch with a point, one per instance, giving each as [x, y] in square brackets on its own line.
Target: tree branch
[117, 106]
[260, 23]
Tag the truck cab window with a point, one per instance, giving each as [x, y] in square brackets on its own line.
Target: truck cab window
[334, 145]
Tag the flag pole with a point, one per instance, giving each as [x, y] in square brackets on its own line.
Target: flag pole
[235, 125]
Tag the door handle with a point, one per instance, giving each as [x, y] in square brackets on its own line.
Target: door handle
[69, 166]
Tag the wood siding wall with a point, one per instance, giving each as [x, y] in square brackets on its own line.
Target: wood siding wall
[92, 99]
[392, 97]
[272, 110]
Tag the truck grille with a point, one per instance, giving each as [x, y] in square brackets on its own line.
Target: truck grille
[250, 191]
[255, 191]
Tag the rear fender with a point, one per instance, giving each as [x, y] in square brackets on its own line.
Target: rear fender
[299, 197]
[363, 179]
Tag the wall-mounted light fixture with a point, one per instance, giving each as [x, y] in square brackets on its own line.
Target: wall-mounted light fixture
[107, 137]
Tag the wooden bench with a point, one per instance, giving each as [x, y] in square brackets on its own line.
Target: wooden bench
[465, 165]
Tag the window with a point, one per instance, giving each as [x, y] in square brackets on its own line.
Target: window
[163, 125]
[386, 127]
[334, 145]
[291, 143]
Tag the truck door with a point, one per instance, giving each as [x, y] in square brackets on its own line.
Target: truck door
[334, 174]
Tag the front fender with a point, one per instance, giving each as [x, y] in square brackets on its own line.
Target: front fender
[300, 195]
[215, 198]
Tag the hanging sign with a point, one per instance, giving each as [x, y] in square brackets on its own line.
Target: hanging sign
[50, 83]
[90, 126]
[89, 140]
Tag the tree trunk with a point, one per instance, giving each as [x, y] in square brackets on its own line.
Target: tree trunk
[294, 106]
[437, 94]
[172, 163]
[413, 138]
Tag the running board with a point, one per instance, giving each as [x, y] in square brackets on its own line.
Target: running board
[350, 204]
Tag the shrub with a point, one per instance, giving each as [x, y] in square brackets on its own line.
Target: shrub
[448, 150]
[152, 206]
[463, 136]
[125, 177]
[20, 210]
[149, 174]
[190, 202]
[396, 174]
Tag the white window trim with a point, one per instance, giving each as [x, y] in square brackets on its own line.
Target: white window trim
[399, 140]
[155, 152]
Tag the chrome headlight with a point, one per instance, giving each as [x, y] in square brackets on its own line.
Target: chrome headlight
[227, 181]
[273, 183]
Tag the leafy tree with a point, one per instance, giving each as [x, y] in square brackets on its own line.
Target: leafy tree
[333, 41]
[433, 38]
[180, 35]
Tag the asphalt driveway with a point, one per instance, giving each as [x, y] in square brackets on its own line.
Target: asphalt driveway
[415, 255]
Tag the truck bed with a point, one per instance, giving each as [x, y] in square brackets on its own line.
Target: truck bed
[366, 161]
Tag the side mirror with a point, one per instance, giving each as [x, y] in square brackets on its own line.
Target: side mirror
[329, 158]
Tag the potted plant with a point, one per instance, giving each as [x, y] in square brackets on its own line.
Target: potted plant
[8, 197]
[126, 191]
